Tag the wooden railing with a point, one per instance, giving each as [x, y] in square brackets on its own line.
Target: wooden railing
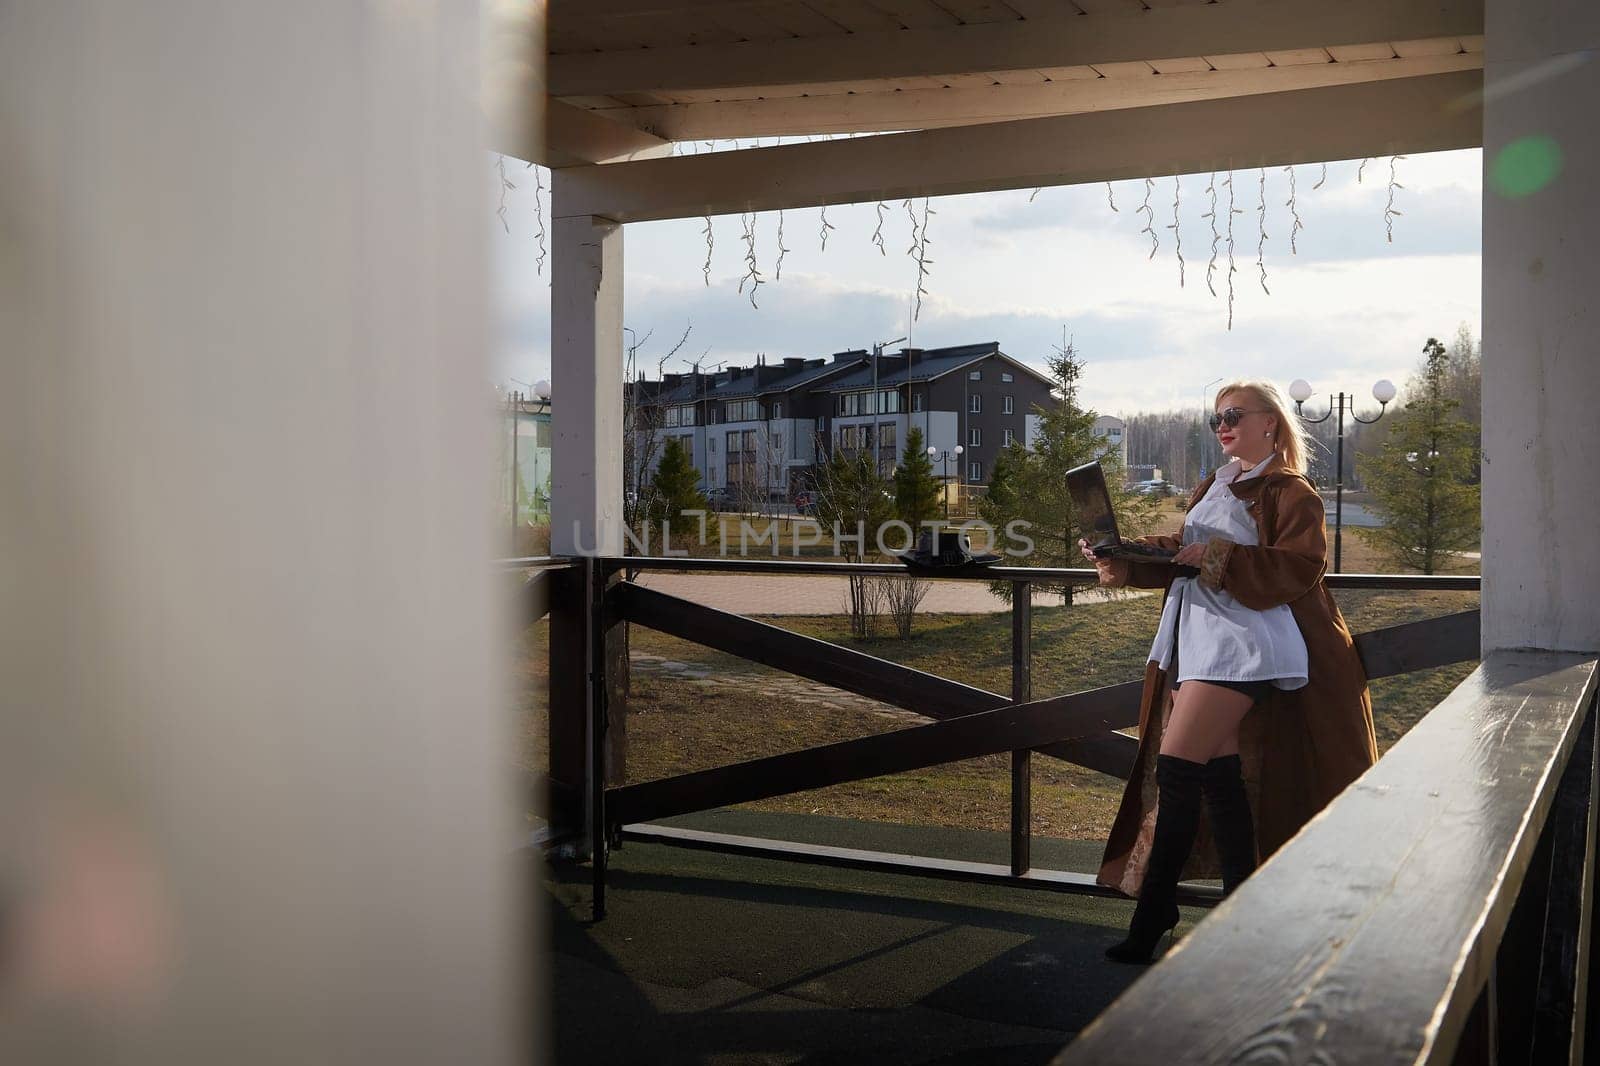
[1441, 909]
[588, 601]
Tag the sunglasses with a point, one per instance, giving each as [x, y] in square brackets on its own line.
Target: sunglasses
[1229, 417]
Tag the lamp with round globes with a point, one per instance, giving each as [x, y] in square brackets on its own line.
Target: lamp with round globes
[541, 389]
[944, 457]
[1300, 391]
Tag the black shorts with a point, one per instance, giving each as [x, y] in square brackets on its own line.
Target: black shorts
[1254, 689]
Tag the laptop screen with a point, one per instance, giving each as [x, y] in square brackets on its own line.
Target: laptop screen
[1087, 486]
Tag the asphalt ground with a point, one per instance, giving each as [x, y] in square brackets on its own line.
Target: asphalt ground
[712, 958]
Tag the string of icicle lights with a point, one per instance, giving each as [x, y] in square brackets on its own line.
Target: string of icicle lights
[1219, 218]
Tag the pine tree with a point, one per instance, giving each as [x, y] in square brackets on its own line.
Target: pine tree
[1421, 477]
[1031, 485]
[916, 490]
[675, 489]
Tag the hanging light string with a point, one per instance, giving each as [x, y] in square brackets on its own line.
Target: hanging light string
[777, 268]
[538, 213]
[1294, 213]
[1177, 234]
[1216, 235]
[1231, 268]
[826, 226]
[1322, 179]
[1150, 217]
[923, 262]
[1389, 212]
[1109, 198]
[911, 250]
[1034, 195]
[505, 186]
[706, 270]
[877, 234]
[1261, 246]
[752, 275]
[1361, 170]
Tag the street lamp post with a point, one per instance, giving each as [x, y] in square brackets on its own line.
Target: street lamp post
[944, 458]
[1300, 391]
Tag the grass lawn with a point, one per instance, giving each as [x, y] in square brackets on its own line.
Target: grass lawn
[679, 722]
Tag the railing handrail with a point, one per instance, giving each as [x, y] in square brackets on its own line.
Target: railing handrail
[1371, 934]
[1029, 574]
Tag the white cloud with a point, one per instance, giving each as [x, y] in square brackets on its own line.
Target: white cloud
[1349, 308]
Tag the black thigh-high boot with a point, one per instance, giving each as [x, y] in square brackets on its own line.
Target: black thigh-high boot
[1177, 820]
[1232, 826]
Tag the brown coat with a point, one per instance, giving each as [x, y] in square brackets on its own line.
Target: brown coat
[1299, 748]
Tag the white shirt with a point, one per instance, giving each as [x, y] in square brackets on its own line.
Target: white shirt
[1218, 638]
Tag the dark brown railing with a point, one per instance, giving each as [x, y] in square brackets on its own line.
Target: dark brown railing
[1440, 910]
[1082, 727]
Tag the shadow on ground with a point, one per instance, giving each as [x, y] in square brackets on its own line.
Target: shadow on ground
[710, 958]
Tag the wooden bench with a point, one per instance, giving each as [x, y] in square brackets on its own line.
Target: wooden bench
[1440, 909]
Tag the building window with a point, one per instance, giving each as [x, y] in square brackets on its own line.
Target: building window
[1007, 406]
[777, 444]
[975, 404]
[974, 437]
[743, 411]
[975, 471]
[888, 402]
[1007, 437]
[886, 437]
[848, 436]
[916, 401]
[975, 375]
[777, 409]
[711, 443]
[1005, 377]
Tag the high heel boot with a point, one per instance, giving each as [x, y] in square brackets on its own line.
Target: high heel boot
[1232, 826]
[1177, 820]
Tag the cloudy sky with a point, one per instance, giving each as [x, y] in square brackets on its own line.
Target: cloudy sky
[1349, 308]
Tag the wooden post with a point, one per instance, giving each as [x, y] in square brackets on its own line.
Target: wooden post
[1021, 761]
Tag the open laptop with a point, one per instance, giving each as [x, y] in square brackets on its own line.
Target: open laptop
[1086, 485]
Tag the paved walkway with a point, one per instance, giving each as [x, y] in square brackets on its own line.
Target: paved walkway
[828, 594]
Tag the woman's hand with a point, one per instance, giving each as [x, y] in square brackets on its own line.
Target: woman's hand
[1102, 565]
[1190, 555]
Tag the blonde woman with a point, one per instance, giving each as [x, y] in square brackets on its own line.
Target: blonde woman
[1252, 677]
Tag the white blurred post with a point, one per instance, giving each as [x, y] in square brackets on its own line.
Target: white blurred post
[585, 383]
[254, 792]
[1541, 362]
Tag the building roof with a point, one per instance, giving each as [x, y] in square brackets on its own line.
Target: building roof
[928, 364]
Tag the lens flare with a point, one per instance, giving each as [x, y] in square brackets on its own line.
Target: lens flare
[1525, 166]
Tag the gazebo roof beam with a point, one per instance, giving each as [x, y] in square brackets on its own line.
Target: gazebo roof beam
[1423, 114]
[937, 108]
[1023, 44]
[574, 137]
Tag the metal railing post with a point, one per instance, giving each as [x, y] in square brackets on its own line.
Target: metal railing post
[595, 587]
[1021, 761]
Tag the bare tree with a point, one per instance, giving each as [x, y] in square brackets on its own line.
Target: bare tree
[642, 421]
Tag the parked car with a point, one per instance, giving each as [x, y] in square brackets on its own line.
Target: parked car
[805, 502]
[1156, 487]
[719, 498]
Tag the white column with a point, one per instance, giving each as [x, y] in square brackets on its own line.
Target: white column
[585, 384]
[1541, 329]
[255, 792]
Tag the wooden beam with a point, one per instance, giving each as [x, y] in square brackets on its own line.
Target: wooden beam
[1425, 114]
[853, 671]
[1018, 44]
[968, 737]
[942, 107]
[1402, 649]
[574, 136]
[1368, 937]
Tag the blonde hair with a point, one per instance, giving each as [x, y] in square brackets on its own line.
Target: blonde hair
[1290, 441]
